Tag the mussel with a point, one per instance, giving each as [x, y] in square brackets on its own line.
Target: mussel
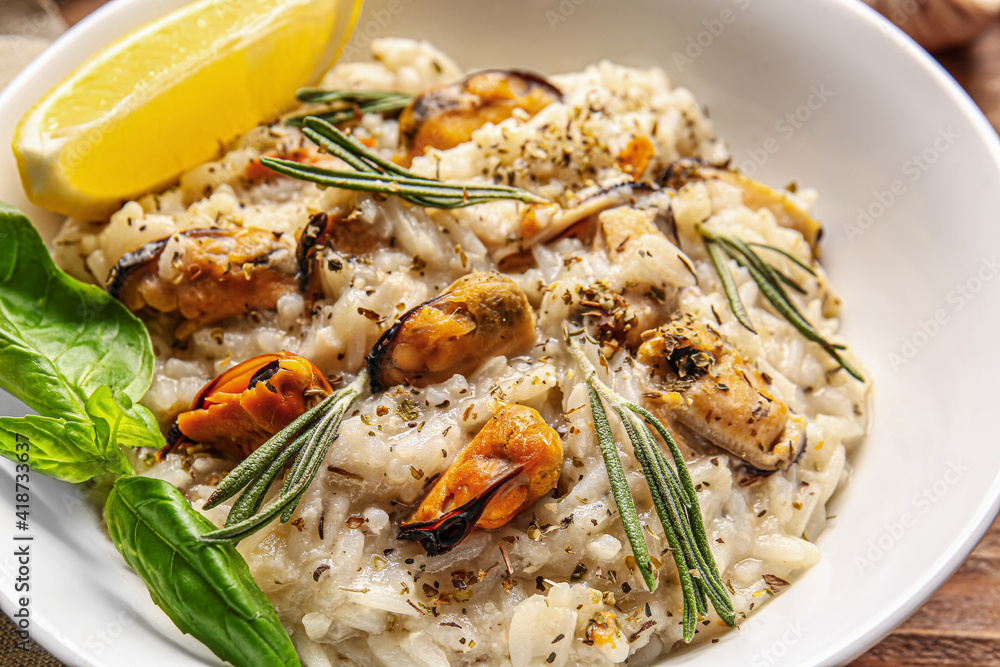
[479, 315]
[347, 234]
[207, 275]
[512, 462]
[446, 116]
[713, 390]
[541, 224]
[244, 406]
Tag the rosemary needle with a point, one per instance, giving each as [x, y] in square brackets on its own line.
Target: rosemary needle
[787, 255]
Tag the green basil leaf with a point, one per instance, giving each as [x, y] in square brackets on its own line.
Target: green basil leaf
[73, 354]
[205, 589]
[120, 423]
[63, 449]
[61, 340]
[75, 450]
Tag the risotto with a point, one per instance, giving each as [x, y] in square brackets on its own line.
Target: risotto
[635, 177]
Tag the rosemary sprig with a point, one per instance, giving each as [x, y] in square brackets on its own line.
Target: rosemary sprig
[349, 103]
[376, 174]
[308, 437]
[673, 494]
[770, 281]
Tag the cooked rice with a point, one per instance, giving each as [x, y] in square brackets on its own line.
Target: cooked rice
[358, 595]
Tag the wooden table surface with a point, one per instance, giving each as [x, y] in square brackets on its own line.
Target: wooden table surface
[960, 624]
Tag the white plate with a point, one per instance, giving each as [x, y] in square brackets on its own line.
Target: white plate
[888, 133]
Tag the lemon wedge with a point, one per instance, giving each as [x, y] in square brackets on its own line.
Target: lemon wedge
[167, 96]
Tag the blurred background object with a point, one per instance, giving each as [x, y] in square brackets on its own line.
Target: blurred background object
[26, 28]
[940, 24]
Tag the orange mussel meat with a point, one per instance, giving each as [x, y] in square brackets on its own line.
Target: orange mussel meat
[512, 462]
[244, 406]
[446, 116]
